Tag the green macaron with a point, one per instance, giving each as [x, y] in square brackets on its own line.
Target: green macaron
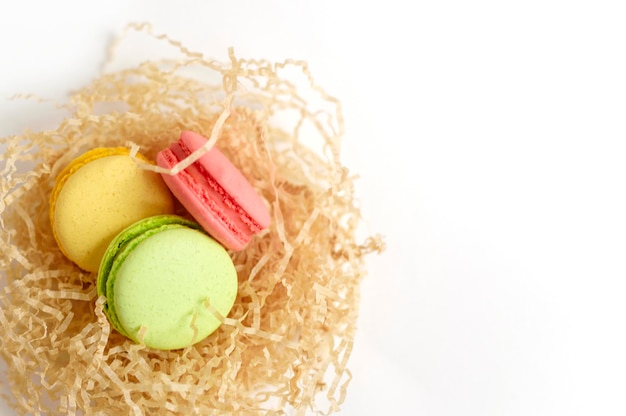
[162, 278]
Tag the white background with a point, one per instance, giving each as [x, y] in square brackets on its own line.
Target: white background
[490, 140]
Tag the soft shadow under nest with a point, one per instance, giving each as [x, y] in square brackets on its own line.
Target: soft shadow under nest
[288, 338]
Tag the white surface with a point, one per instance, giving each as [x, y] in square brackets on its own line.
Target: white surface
[490, 140]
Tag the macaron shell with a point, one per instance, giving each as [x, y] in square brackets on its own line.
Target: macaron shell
[98, 200]
[162, 288]
[229, 178]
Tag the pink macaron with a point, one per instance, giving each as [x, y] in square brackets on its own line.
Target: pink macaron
[215, 192]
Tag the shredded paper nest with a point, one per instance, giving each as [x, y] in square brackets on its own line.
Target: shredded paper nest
[284, 347]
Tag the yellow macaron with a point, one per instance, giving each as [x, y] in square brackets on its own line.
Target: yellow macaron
[96, 196]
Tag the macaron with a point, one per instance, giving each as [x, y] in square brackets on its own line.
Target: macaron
[162, 278]
[215, 192]
[96, 196]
